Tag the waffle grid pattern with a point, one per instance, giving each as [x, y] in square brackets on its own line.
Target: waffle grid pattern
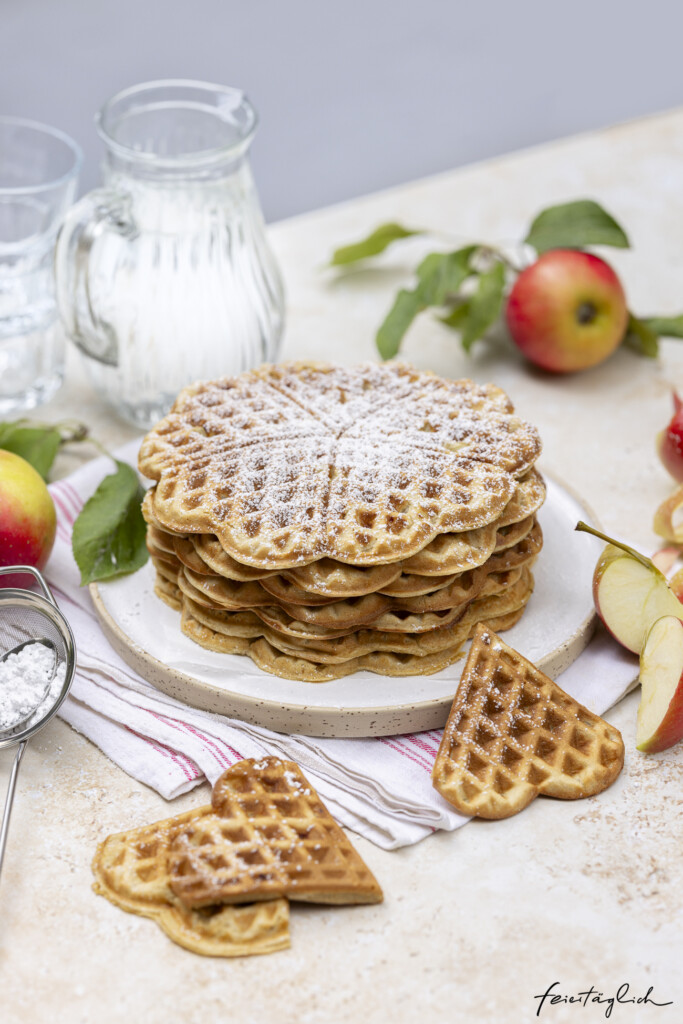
[513, 733]
[284, 469]
[130, 871]
[270, 836]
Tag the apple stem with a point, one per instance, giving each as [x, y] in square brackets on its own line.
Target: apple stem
[585, 528]
[678, 404]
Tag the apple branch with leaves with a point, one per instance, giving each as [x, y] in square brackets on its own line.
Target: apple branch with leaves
[468, 286]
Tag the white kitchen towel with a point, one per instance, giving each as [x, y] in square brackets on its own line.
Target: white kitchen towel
[380, 788]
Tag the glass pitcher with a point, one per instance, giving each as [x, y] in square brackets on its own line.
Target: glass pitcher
[164, 275]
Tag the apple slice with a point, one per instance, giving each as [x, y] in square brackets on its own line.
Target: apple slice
[676, 584]
[664, 560]
[668, 521]
[660, 715]
[629, 592]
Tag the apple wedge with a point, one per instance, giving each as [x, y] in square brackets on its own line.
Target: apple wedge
[660, 715]
[629, 592]
[668, 521]
[664, 560]
[676, 584]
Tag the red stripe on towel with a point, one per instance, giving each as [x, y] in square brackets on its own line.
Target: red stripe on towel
[63, 523]
[189, 768]
[77, 502]
[419, 742]
[223, 761]
[396, 744]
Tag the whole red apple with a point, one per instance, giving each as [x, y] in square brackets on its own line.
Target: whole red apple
[567, 311]
[28, 521]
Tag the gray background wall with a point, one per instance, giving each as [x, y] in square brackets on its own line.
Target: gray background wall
[353, 96]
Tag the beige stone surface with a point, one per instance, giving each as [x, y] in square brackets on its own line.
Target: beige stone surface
[478, 922]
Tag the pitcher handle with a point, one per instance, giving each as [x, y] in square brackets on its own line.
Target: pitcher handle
[100, 211]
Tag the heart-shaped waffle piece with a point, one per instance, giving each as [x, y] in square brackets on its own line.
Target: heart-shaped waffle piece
[512, 733]
[270, 835]
[130, 870]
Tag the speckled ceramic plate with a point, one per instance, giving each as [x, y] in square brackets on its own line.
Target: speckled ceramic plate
[554, 629]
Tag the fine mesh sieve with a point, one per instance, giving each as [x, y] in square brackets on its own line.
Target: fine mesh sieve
[25, 615]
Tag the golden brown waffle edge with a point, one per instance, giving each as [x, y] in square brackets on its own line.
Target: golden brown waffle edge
[270, 835]
[513, 734]
[130, 871]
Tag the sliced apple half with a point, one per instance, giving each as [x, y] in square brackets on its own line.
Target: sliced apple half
[660, 715]
[629, 592]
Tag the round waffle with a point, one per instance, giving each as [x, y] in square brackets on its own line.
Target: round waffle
[291, 464]
[331, 579]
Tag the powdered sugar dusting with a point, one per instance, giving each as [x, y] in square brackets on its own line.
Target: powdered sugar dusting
[292, 463]
[24, 677]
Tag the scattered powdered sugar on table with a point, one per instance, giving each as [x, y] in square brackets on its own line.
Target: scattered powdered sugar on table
[23, 678]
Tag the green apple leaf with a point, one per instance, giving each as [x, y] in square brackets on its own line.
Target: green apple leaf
[397, 321]
[483, 308]
[375, 243]
[665, 326]
[574, 226]
[640, 337]
[441, 275]
[109, 533]
[38, 444]
[457, 316]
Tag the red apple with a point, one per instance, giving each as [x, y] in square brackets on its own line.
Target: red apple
[567, 311]
[660, 715]
[28, 521]
[630, 593]
[670, 442]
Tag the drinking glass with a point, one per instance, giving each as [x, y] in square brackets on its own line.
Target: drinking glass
[164, 275]
[39, 169]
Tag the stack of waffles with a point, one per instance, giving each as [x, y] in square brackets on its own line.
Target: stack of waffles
[324, 519]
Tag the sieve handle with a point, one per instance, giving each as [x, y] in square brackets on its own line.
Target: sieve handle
[37, 575]
[9, 800]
